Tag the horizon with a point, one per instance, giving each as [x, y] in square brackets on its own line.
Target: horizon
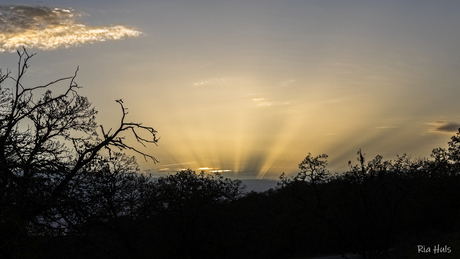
[250, 88]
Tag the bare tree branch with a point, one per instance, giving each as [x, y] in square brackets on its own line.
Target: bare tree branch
[41, 164]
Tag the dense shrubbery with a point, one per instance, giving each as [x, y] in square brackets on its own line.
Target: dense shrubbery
[70, 201]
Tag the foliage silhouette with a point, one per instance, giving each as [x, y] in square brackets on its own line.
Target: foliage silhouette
[375, 206]
[187, 211]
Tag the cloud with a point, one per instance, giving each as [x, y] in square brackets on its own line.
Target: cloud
[445, 127]
[179, 164]
[287, 82]
[49, 28]
[263, 103]
[213, 81]
[386, 127]
[220, 171]
[449, 127]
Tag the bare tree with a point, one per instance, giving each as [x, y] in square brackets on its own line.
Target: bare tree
[46, 142]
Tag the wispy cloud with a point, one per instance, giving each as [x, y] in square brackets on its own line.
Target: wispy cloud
[264, 103]
[220, 171]
[386, 127]
[49, 28]
[180, 163]
[445, 127]
[287, 82]
[213, 81]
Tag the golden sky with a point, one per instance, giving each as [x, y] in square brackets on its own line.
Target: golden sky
[249, 88]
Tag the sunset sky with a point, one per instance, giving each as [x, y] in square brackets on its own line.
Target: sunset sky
[249, 88]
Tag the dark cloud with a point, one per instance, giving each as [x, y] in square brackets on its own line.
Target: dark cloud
[19, 18]
[448, 127]
[49, 28]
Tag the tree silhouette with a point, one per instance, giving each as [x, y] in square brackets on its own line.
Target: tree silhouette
[45, 145]
[185, 209]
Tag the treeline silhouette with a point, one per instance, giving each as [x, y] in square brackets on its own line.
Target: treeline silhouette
[368, 210]
[62, 197]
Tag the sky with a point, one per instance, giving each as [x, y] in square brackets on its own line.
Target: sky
[249, 88]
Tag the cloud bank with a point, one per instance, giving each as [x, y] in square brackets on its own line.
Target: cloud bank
[49, 28]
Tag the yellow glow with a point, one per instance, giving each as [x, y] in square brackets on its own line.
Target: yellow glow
[280, 146]
[239, 137]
